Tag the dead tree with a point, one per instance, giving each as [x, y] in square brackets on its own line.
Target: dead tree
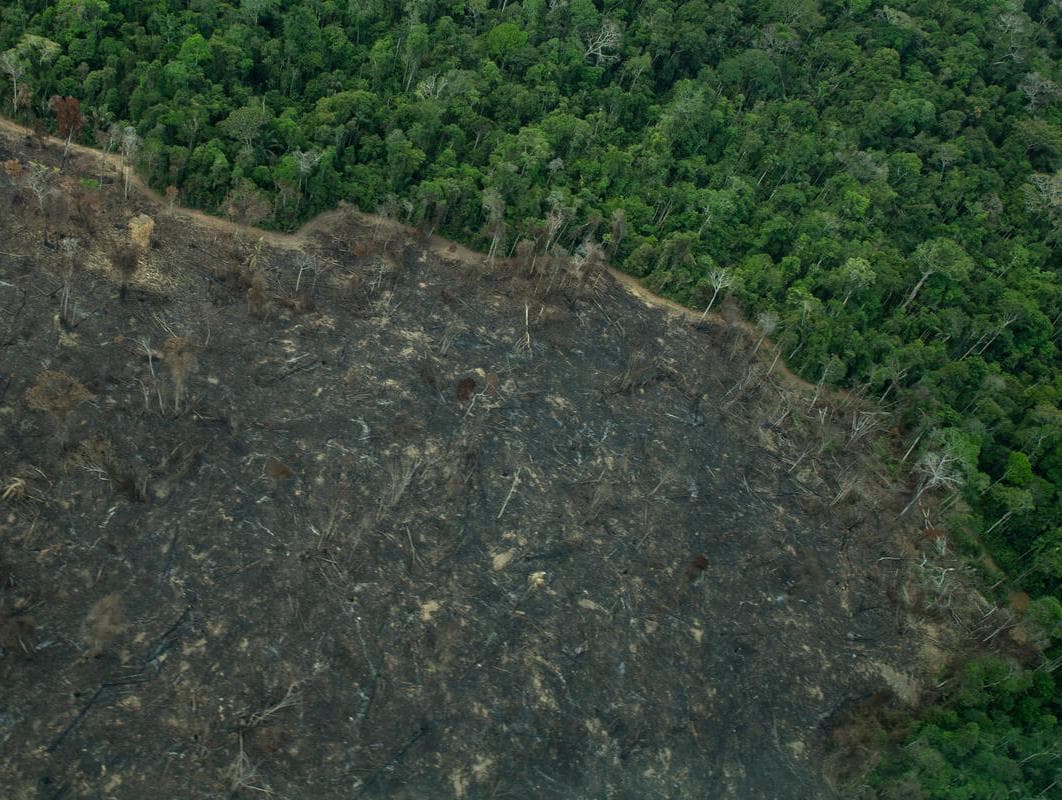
[767, 322]
[58, 395]
[15, 67]
[601, 44]
[130, 147]
[42, 182]
[67, 112]
[936, 469]
[180, 356]
[69, 248]
[589, 261]
[719, 279]
[494, 205]
[126, 260]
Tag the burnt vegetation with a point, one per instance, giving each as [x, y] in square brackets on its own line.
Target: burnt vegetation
[350, 514]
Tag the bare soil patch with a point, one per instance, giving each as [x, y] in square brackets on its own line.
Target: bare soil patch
[347, 515]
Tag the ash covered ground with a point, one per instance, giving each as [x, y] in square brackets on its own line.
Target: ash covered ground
[355, 514]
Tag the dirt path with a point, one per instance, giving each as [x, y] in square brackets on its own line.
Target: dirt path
[436, 244]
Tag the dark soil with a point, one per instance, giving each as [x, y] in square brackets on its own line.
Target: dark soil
[420, 528]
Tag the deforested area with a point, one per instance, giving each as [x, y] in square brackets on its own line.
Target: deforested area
[357, 513]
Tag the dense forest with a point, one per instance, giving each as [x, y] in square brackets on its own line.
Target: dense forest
[879, 186]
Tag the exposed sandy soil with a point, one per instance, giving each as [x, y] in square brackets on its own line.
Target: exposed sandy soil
[342, 515]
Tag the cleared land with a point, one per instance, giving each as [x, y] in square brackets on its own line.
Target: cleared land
[349, 514]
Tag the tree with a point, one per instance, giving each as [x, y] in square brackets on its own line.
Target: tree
[938, 257]
[602, 43]
[1019, 470]
[505, 39]
[1011, 500]
[617, 230]
[1039, 90]
[494, 205]
[936, 468]
[69, 247]
[767, 322]
[130, 147]
[67, 111]
[1043, 197]
[305, 161]
[714, 204]
[179, 353]
[255, 8]
[125, 259]
[719, 279]
[30, 55]
[244, 123]
[43, 183]
[15, 66]
[1044, 621]
[403, 159]
[856, 275]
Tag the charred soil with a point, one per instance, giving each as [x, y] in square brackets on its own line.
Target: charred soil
[353, 514]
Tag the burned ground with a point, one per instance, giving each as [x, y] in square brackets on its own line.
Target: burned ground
[350, 517]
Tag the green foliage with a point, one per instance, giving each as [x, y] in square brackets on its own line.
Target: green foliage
[505, 39]
[995, 735]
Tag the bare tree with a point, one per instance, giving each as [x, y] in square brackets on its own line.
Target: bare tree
[305, 161]
[42, 181]
[68, 246]
[863, 422]
[602, 43]
[254, 8]
[589, 261]
[385, 212]
[1039, 90]
[720, 279]
[833, 369]
[494, 205]
[936, 468]
[15, 67]
[947, 154]
[125, 259]
[180, 356]
[1013, 31]
[555, 220]
[172, 197]
[767, 322]
[1043, 196]
[895, 373]
[715, 203]
[130, 147]
[526, 255]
